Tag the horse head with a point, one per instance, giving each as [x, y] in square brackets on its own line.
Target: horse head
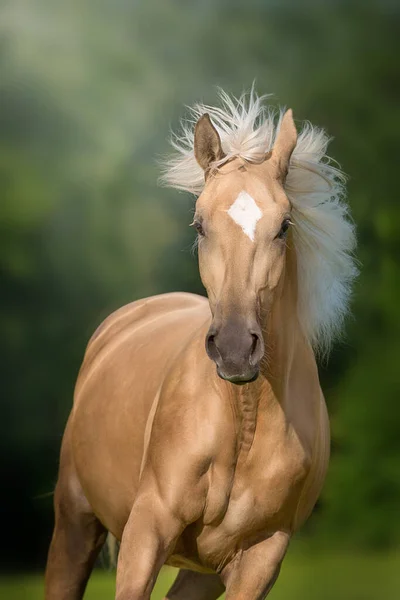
[242, 218]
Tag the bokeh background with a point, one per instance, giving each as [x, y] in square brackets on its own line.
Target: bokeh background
[89, 90]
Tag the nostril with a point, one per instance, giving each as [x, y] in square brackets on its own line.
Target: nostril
[256, 349]
[254, 343]
[211, 347]
[211, 340]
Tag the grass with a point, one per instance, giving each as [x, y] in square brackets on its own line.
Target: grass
[303, 576]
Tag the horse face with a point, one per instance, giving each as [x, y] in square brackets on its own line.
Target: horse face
[242, 218]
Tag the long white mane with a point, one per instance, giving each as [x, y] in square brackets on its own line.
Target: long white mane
[323, 233]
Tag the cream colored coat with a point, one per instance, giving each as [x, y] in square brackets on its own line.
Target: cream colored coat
[182, 466]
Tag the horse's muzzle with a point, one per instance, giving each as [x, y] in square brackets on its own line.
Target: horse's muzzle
[236, 349]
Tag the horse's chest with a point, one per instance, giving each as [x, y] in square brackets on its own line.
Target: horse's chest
[262, 499]
[266, 488]
[266, 495]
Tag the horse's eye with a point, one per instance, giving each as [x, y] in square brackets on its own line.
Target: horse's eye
[283, 230]
[198, 227]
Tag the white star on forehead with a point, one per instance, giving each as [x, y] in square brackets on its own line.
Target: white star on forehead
[245, 212]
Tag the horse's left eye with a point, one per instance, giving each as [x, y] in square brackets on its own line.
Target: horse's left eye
[283, 230]
[198, 227]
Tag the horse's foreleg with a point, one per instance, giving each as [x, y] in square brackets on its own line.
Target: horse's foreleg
[190, 585]
[149, 537]
[252, 574]
[77, 539]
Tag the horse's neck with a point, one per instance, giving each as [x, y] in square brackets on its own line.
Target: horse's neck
[284, 345]
[283, 336]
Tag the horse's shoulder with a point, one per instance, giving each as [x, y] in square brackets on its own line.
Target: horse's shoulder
[319, 465]
[144, 308]
[150, 312]
[140, 330]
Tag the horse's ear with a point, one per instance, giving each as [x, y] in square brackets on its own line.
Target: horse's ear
[284, 145]
[207, 143]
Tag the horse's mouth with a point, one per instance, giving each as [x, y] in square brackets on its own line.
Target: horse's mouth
[239, 379]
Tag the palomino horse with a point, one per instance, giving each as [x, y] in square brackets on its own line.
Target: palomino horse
[212, 465]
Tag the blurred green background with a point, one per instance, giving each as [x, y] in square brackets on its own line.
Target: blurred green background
[88, 93]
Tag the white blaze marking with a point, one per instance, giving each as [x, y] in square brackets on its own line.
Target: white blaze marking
[245, 212]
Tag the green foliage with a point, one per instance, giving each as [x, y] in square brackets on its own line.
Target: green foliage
[87, 94]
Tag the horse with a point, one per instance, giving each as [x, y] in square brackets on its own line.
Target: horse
[199, 434]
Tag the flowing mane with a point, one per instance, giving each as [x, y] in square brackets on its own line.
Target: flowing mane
[323, 233]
